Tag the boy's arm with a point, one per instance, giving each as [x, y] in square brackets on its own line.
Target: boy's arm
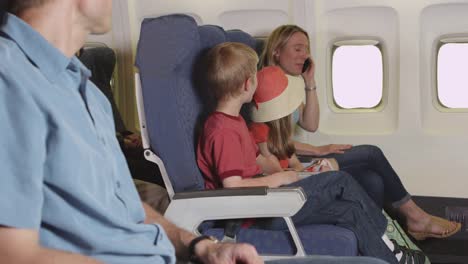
[273, 180]
[18, 246]
[226, 148]
[269, 164]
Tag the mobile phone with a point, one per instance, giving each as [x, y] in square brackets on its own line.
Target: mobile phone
[306, 65]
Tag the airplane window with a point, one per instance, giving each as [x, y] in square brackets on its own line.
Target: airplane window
[452, 77]
[357, 76]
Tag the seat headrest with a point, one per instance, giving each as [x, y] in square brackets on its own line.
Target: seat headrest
[100, 61]
[171, 41]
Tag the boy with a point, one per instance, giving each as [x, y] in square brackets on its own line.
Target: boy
[227, 153]
[228, 157]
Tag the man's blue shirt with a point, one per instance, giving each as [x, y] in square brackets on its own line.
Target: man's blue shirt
[63, 172]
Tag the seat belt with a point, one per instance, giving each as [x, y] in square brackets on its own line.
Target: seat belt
[231, 228]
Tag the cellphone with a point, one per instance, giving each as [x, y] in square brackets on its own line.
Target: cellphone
[306, 65]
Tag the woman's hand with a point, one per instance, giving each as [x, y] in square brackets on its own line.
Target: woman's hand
[309, 75]
[333, 149]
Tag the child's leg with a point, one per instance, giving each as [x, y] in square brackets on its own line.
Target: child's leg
[327, 187]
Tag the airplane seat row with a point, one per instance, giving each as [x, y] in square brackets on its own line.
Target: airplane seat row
[101, 61]
[169, 109]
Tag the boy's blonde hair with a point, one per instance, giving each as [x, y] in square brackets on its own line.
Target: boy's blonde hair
[276, 41]
[279, 140]
[227, 66]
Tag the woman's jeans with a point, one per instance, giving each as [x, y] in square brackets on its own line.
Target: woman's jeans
[369, 166]
[336, 198]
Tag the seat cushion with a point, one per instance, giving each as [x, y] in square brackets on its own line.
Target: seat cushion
[316, 239]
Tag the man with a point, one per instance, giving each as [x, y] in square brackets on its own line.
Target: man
[70, 190]
[66, 194]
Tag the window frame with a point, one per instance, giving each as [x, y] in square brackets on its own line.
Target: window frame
[334, 45]
[452, 39]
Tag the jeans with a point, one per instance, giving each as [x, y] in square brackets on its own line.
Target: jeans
[369, 166]
[328, 260]
[336, 198]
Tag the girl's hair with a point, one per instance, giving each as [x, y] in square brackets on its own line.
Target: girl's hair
[280, 141]
[277, 40]
[16, 6]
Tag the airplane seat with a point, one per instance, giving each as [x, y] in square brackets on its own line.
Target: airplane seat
[169, 108]
[260, 45]
[101, 61]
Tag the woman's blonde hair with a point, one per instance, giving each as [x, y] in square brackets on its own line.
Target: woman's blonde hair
[228, 66]
[280, 141]
[276, 41]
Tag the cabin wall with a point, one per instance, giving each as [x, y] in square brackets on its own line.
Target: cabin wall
[425, 144]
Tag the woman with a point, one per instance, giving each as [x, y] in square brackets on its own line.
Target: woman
[288, 47]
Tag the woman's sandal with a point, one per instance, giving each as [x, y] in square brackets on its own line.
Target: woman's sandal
[444, 223]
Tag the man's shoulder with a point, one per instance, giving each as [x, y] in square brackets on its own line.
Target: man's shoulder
[13, 59]
[8, 46]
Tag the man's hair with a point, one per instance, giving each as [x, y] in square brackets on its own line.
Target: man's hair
[227, 66]
[16, 6]
[276, 41]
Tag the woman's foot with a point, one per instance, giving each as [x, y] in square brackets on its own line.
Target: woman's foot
[432, 226]
[422, 225]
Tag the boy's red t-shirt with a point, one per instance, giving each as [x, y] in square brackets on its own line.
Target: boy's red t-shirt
[260, 133]
[226, 148]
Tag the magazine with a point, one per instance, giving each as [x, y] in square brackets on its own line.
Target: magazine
[315, 166]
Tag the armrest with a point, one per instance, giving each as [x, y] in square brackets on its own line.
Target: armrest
[190, 212]
[222, 192]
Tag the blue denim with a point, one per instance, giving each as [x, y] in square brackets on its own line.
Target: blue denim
[336, 198]
[371, 182]
[328, 260]
[369, 166]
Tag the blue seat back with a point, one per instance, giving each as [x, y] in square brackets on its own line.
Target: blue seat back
[167, 55]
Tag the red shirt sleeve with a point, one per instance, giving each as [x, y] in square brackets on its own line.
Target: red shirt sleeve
[259, 132]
